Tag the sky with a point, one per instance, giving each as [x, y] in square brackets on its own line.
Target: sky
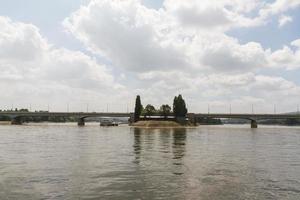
[97, 55]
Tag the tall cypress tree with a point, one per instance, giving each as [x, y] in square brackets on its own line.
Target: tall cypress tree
[138, 108]
[179, 106]
[175, 106]
[182, 106]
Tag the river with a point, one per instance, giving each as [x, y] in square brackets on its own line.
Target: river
[63, 161]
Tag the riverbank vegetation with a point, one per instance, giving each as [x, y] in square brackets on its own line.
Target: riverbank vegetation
[164, 116]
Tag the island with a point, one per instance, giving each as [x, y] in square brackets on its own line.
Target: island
[165, 116]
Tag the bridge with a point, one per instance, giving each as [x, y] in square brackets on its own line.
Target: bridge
[253, 118]
[16, 117]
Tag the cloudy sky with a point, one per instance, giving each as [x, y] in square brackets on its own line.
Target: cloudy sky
[102, 53]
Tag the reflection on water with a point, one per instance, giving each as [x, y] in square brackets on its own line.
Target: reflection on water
[67, 162]
[179, 137]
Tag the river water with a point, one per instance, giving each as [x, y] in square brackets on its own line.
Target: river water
[63, 161]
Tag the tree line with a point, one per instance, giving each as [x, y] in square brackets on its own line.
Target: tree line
[179, 109]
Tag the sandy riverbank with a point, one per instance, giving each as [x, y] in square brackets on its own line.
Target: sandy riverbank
[159, 124]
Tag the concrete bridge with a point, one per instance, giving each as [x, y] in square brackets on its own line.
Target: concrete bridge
[16, 117]
[253, 118]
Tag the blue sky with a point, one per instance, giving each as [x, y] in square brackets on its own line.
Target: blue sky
[273, 37]
[48, 16]
[238, 56]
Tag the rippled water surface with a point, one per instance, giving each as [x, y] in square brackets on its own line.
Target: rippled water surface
[63, 161]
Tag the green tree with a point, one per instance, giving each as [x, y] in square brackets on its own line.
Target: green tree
[175, 106]
[165, 110]
[179, 106]
[138, 108]
[149, 110]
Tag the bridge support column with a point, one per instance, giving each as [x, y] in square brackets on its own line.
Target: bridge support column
[16, 121]
[131, 118]
[81, 122]
[192, 119]
[253, 124]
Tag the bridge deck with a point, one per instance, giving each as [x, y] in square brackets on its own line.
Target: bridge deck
[250, 116]
[119, 114]
[63, 114]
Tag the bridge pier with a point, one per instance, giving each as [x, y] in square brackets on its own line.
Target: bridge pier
[131, 118]
[81, 122]
[16, 121]
[253, 124]
[192, 118]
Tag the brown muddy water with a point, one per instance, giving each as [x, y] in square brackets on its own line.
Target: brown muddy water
[63, 161]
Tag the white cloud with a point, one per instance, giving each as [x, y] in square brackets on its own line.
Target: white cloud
[283, 20]
[139, 39]
[196, 14]
[170, 49]
[296, 43]
[217, 14]
[28, 63]
[21, 48]
[278, 7]
[286, 57]
[181, 48]
[177, 36]
[126, 33]
[227, 14]
[219, 90]
[231, 56]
